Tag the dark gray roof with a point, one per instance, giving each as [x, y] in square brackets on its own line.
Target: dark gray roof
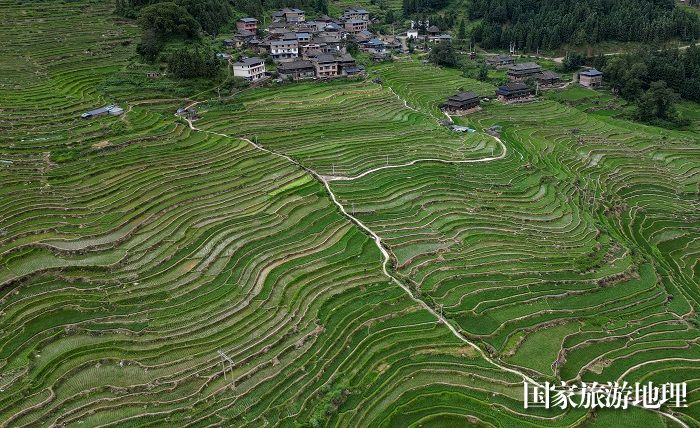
[549, 75]
[512, 87]
[433, 29]
[524, 66]
[248, 61]
[325, 58]
[283, 42]
[294, 65]
[248, 20]
[464, 96]
[591, 72]
[245, 33]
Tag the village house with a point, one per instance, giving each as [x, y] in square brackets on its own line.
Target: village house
[257, 46]
[332, 32]
[303, 37]
[353, 13]
[347, 65]
[363, 36]
[461, 103]
[248, 24]
[325, 18]
[251, 69]
[354, 26]
[412, 34]
[444, 38]
[284, 50]
[392, 43]
[433, 32]
[500, 61]
[280, 27]
[519, 72]
[514, 92]
[229, 43]
[326, 66]
[296, 70]
[373, 46]
[289, 15]
[548, 78]
[241, 38]
[590, 78]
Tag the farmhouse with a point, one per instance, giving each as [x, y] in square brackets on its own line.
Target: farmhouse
[461, 103]
[248, 24]
[363, 36]
[251, 69]
[433, 32]
[412, 34]
[518, 72]
[242, 37]
[548, 78]
[353, 13]
[590, 78]
[296, 70]
[354, 26]
[514, 92]
[500, 61]
[443, 38]
[290, 15]
[284, 50]
[374, 46]
[303, 37]
[326, 66]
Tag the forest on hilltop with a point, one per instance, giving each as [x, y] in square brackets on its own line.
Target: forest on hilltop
[533, 24]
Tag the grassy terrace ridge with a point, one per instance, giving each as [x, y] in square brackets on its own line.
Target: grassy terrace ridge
[133, 248]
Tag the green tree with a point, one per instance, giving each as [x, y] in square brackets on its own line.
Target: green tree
[483, 72]
[187, 63]
[443, 54]
[150, 45]
[166, 19]
[462, 32]
[658, 102]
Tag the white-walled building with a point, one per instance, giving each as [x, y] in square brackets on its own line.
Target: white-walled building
[284, 50]
[251, 69]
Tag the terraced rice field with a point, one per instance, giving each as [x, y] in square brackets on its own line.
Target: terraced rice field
[134, 249]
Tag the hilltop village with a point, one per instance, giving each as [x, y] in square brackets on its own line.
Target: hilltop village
[292, 48]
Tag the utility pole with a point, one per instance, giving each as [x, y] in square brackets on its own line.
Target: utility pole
[225, 358]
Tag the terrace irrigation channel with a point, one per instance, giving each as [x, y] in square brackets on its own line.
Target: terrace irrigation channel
[325, 180]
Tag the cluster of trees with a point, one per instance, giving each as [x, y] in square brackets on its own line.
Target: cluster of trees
[162, 21]
[655, 80]
[186, 63]
[419, 6]
[443, 54]
[183, 17]
[547, 24]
